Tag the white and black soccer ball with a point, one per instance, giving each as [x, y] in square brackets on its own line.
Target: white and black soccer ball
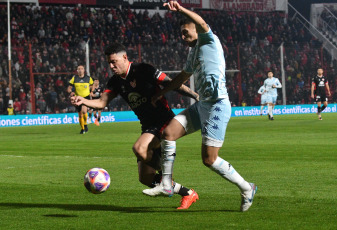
[97, 180]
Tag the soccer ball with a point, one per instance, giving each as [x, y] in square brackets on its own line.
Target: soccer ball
[97, 180]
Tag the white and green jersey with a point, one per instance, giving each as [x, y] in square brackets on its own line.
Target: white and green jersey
[268, 84]
[206, 62]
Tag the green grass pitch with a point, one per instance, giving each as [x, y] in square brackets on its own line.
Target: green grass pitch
[293, 160]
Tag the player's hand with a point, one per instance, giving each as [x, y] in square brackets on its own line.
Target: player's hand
[312, 96]
[77, 100]
[274, 86]
[329, 94]
[197, 98]
[173, 5]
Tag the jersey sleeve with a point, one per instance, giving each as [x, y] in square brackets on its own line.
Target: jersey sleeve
[154, 75]
[261, 90]
[206, 38]
[313, 81]
[111, 86]
[72, 80]
[265, 84]
[325, 81]
[278, 83]
[91, 81]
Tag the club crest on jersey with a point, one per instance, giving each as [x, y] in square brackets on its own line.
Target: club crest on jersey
[133, 83]
[135, 100]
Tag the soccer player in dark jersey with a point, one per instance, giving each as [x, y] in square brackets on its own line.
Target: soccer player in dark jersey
[137, 83]
[318, 84]
[81, 84]
[96, 92]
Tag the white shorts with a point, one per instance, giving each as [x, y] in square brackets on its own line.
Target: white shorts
[211, 117]
[271, 99]
[263, 99]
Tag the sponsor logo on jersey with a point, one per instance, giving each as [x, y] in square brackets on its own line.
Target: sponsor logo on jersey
[136, 100]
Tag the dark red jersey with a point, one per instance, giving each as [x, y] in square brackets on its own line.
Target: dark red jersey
[319, 83]
[141, 82]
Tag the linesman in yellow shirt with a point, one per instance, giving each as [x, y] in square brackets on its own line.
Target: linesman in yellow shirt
[80, 85]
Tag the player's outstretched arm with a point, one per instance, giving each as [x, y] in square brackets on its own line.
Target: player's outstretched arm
[199, 22]
[176, 83]
[100, 103]
[183, 89]
[186, 91]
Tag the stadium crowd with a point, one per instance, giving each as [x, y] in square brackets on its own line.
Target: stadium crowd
[59, 35]
[329, 16]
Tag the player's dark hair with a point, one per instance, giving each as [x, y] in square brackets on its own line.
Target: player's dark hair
[185, 21]
[270, 72]
[81, 64]
[114, 48]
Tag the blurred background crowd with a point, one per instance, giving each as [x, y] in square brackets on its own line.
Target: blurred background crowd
[251, 42]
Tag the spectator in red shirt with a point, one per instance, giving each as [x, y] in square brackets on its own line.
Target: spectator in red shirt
[17, 105]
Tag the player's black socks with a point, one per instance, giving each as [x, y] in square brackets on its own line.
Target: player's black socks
[183, 191]
[318, 109]
[156, 180]
[99, 119]
[95, 115]
[90, 115]
[323, 107]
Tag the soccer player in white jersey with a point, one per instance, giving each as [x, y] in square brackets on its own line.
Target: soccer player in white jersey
[210, 114]
[271, 85]
[262, 91]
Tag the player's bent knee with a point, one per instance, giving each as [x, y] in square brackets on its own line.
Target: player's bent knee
[174, 131]
[140, 151]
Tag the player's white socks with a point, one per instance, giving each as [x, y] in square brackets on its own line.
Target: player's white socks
[168, 149]
[261, 109]
[177, 187]
[270, 110]
[226, 170]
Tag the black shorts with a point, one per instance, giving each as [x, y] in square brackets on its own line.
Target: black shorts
[321, 98]
[156, 130]
[79, 108]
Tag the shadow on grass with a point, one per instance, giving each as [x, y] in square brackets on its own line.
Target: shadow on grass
[95, 207]
[60, 215]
